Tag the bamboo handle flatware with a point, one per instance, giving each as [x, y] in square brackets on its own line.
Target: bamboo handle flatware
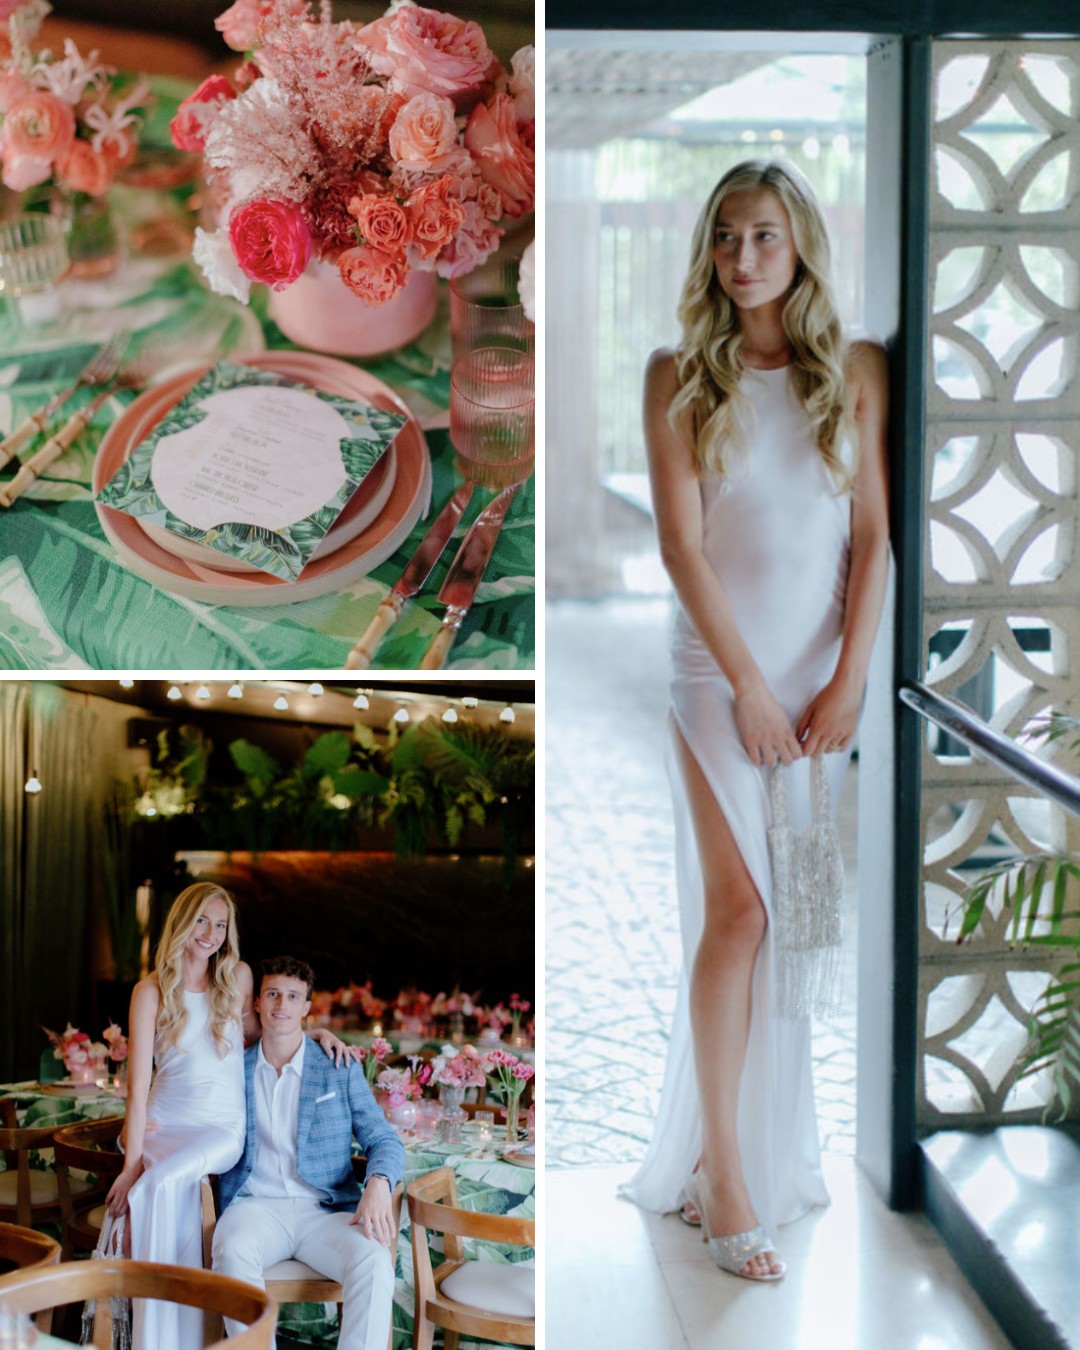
[51, 451]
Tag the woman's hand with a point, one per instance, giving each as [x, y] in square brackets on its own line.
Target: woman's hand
[336, 1048]
[116, 1202]
[767, 735]
[830, 718]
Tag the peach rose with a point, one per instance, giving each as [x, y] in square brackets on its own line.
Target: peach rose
[38, 126]
[423, 49]
[271, 241]
[192, 121]
[502, 153]
[382, 221]
[12, 88]
[22, 172]
[424, 134]
[242, 21]
[85, 170]
[371, 274]
[435, 216]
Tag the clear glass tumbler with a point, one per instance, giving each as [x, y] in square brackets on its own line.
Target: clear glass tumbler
[486, 310]
[33, 260]
[492, 412]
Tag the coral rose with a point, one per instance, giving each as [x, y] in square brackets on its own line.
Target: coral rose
[38, 126]
[424, 134]
[435, 216]
[189, 127]
[504, 157]
[271, 241]
[12, 88]
[85, 169]
[371, 274]
[22, 172]
[382, 221]
[423, 49]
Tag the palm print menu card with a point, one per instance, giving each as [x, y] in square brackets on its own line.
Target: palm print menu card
[253, 465]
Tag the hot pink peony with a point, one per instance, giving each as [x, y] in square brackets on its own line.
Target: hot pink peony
[271, 241]
[426, 49]
[424, 134]
[85, 169]
[503, 155]
[38, 126]
[435, 216]
[382, 221]
[189, 127]
[371, 274]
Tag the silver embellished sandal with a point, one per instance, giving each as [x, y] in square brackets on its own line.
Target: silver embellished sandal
[732, 1252]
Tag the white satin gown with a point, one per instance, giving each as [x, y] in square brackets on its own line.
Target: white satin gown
[778, 539]
[197, 1098]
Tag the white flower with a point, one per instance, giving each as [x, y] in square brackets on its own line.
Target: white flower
[527, 282]
[395, 5]
[71, 78]
[259, 140]
[522, 82]
[110, 126]
[215, 259]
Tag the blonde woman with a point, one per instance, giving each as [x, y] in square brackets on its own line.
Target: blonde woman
[766, 442]
[189, 1020]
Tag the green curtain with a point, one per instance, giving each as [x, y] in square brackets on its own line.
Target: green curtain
[45, 861]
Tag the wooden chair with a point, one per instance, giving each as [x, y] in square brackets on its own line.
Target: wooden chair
[87, 1146]
[27, 1195]
[292, 1281]
[465, 1297]
[30, 1291]
[24, 1249]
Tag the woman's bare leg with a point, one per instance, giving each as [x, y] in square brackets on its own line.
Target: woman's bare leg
[720, 982]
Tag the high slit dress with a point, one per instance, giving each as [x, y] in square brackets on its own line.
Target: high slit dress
[197, 1098]
[778, 538]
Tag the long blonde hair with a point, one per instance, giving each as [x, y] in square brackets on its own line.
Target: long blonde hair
[709, 401]
[223, 991]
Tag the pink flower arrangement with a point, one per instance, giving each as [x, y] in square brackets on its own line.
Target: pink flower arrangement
[373, 1056]
[383, 149]
[75, 1048]
[458, 1066]
[412, 1004]
[67, 120]
[117, 1042]
[450, 1005]
[507, 1073]
[399, 1086]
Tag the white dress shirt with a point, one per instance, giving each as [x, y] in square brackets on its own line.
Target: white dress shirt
[277, 1106]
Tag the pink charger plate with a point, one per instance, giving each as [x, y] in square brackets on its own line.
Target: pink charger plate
[407, 500]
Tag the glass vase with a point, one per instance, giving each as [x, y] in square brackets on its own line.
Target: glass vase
[93, 243]
[452, 1115]
[513, 1108]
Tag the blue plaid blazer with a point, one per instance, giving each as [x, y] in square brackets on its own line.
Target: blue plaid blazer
[336, 1106]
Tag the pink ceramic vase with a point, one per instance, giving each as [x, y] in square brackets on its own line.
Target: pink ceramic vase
[319, 311]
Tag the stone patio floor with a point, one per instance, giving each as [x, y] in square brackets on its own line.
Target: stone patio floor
[612, 916]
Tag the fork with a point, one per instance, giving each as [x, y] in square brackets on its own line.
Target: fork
[134, 374]
[101, 367]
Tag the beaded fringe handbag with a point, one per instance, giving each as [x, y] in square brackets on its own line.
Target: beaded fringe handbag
[110, 1247]
[808, 895]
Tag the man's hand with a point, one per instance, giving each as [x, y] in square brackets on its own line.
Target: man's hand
[374, 1216]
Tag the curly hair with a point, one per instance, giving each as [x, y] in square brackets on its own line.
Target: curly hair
[709, 402]
[224, 991]
[292, 966]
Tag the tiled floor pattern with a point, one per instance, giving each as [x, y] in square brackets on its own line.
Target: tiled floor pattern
[612, 916]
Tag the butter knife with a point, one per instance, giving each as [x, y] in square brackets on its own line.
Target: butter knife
[416, 572]
[466, 572]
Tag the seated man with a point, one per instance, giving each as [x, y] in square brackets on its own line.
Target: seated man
[293, 1193]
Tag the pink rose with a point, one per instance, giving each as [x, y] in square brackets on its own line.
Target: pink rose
[476, 240]
[424, 134]
[435, 216]
[192, 121]
[241, 23]
[38, 126]
[22, 172]
[371, 274]
[423, 49]
[271, 241]
[504, 157]
[12, 88]
[85, 170]
[382, 221]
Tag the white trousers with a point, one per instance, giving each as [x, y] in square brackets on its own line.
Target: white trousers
[255, 1232]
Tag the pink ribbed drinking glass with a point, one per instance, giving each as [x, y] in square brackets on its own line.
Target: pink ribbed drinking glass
[492, 404]
[486, 310]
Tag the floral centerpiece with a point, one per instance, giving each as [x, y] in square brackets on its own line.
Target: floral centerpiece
[373, 1056]
[412, 1008]
[384, 150]
[508, 1076]
[83, 1058]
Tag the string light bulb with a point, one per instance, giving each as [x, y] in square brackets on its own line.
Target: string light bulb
[470, 701]
[236, 690]
[315, 689]
[127, 684]
[202, 692]
[281, 703]
[362, 702]
[450, 715]
[174, 692]
[402, 715]
[33, 784]
[507, 715]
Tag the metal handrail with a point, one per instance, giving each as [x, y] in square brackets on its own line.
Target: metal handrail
[959, 721]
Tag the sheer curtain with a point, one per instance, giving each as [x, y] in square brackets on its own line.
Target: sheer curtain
[45, 865]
